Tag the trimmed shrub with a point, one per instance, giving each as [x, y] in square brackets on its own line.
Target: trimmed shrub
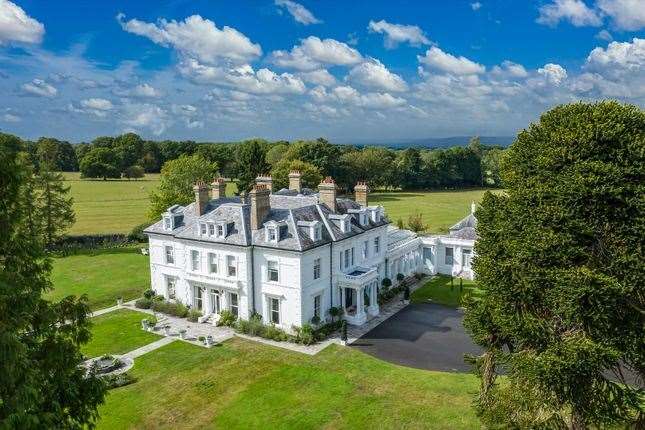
[120, 380]
[386, 282]
[226, 318]
[305, 334]
[170, 308]
[149, 294]
[193, 315]
[343, 331]
[322, 332]
[274, 333]
[406, 293]
[143, 303]
[400, 277]
[315, 320]
[335, 312]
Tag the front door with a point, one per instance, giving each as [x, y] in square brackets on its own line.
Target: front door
[349, 297]
[466, 257]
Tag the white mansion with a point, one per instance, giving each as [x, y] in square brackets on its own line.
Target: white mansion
[290, 255]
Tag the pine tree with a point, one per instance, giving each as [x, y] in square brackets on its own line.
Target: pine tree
[54, 205]
[41, 383]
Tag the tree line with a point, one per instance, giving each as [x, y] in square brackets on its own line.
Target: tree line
[129, 156]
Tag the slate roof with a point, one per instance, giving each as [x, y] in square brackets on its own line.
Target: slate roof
[287, 208]
[397, 237]
[465, 229]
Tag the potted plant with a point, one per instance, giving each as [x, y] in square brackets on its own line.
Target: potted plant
[144, 324]
[182, 333]
[166, 329]
[119, 301]
[406, 295]
[209, 340]
[400, 277]
[202, 339]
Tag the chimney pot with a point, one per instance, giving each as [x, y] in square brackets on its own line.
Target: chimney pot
[327, 193]
[260, 205]
[218, 189]
[201, 197]
[360, 193]
[295, 181]
[265, 180]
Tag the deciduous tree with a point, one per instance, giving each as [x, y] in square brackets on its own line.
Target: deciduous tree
[177, 180]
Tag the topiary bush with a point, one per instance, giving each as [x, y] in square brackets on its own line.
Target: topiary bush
[386, 282]
[149, 294]
[400, 277]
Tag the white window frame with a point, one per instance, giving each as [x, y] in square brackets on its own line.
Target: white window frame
[272, 234]
[318, 306]
[221, 230]
[195, 263]
[347, 258]
[213, 262]
[231, 263]
[275, 270]
[317, 268]
[377, 245]
[170, 248]
[273, 312]
[366, 250]
[171, 287]
[202, 229]
[452, 256]
[167, 223]
[211, 229]
[464, 259]
[234, 305]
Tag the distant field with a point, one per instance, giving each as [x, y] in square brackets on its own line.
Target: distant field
[116, 206]
[440, 209]
[112, 206]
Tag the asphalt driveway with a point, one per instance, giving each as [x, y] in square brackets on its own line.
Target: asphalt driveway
[425, 336]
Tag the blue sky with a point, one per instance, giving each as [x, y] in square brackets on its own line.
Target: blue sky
[281, 69]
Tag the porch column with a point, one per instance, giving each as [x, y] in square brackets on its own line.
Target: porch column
[342, 298]
[360, 305]
[223, 300]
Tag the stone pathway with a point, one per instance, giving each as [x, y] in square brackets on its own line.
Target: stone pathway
[149, 347]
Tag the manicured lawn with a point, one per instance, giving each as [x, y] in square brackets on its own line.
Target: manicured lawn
[117, 332]
[101, 274]
[112, 206]
[439, 290]
[242, 384]
[440, 209]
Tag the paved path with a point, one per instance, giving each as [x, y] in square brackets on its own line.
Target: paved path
[425, 336]
[149, 347]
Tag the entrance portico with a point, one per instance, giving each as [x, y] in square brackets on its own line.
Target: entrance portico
[359, 295]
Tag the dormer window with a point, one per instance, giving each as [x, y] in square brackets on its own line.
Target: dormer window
[272, 234]
[317, 232]
[202, 229]
[211, 229]
[363, 219]
[375, 213]
[345, 226]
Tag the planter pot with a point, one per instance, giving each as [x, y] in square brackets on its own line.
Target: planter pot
[182, 335]
[119, 302]
[209, 341]
[144, 325]
[166, 331]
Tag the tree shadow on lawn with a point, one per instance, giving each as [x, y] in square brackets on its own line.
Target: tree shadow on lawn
[98, 252]
[395, 196]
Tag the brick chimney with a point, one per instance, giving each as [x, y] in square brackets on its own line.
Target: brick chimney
[360, 193]
[327, 193]
[295, 180]
[201, 197]
[218, 189]
[265, 180]
[260, 205]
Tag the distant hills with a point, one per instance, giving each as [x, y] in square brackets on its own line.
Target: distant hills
[437, 142]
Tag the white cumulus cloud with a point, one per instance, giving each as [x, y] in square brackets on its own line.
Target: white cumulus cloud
[313, 53]
[97, 104]
[318, 77]
[300, 13]
[435, 58]
[476, 6]
[575, 11]
[374, 74]
[145, 117]
[40, 88]
[553, 73]
[399, 33]
[17, 26]
[196, 37]
[626, 14]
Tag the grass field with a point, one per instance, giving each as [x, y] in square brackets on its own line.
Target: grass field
[242, 384]
[117, 332]
[440, 290]
[102, 274]
[440, 209]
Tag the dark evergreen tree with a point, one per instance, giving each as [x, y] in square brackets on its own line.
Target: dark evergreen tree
[250, 162]
[41, 383]
[560, 261]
